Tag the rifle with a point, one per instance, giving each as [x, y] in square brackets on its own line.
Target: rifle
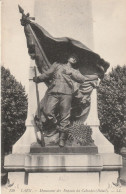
[37, 118]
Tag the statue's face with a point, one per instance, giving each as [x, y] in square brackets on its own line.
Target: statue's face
[72, 60]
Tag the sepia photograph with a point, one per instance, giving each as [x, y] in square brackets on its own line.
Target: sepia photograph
[63, 96]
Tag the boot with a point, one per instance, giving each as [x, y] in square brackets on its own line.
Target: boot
[62, 139]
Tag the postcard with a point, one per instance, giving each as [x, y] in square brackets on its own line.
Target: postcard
[63, 91]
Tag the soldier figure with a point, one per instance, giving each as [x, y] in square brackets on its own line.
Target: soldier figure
[60, 93]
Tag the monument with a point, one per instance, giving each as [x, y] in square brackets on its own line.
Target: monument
[85, 150]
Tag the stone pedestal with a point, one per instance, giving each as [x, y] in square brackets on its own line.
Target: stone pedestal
[36, 165]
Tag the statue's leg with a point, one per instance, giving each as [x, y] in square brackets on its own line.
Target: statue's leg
[64, 110]
[50, 107]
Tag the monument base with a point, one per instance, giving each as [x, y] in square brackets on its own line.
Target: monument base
[91, 149]
[97, 168]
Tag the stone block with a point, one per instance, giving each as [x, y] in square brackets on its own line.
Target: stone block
[65, 182]
[16, 178]
[62, 162]
[123, 172]
[14, 162]
[111, 161]
[71, 166]
[36, 148]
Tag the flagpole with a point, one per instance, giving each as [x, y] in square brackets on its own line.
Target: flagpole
[37, 94]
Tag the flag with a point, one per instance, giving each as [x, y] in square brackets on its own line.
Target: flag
[46, 50]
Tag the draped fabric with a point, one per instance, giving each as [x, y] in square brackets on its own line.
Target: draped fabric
[82, 98]
[46, 50]
[35, 50]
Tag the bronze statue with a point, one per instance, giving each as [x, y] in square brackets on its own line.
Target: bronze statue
[60, 93]
[67, 99]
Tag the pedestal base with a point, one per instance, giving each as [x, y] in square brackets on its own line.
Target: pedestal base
[68, 166]
[36, 148]
[64, 182]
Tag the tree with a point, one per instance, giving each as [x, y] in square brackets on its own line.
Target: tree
[13, 109]
[112, 106]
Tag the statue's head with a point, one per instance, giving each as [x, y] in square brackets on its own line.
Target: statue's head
[73, 59]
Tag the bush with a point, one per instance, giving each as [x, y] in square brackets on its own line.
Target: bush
[13, 109]
[112, 106]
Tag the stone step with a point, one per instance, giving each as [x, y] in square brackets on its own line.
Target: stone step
[36, 148]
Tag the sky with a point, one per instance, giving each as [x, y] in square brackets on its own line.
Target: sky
[109, 30]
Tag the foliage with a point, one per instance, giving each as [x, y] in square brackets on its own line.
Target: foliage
[80, 133]
[112, 106]
[13, 109]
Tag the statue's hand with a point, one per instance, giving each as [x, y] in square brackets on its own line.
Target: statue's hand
[35, 79]
[25, 20]
[67, 72]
